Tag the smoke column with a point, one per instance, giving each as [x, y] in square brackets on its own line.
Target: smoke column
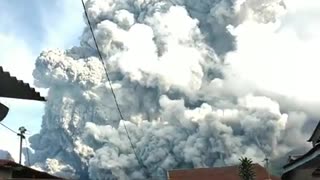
[200, 83]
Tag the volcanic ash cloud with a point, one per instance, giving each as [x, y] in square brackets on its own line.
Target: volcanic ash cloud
[183, 106]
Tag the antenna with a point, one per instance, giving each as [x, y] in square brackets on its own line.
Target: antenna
[21, 135]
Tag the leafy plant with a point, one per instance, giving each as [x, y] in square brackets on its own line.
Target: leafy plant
[246, 169]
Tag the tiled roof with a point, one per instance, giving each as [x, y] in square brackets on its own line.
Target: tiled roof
[23, 172]
[13, 88]
[221, 173]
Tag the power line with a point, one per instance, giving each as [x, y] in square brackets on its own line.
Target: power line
[111, 88]
[8, 128]
[22, 137]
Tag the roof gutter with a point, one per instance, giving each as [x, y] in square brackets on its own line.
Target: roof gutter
[302, 161]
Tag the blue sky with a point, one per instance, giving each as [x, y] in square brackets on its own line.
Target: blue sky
[27, 28]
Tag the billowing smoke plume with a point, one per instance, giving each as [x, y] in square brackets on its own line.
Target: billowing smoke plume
[181, 72]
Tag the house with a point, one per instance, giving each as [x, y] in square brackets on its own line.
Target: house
[218, 173]
[12, 170]
[11, 87]
[306, 166]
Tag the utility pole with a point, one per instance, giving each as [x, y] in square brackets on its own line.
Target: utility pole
[21, 135]
[267, 167]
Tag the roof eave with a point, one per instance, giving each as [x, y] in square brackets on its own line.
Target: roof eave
[314, 152]
[17, 89]
[314, 132]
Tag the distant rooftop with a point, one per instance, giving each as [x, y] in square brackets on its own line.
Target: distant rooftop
[17, 171]
[221, 173]
[11, 87]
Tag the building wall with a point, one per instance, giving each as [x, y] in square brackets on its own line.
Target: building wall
[5, 173]
[301, 174]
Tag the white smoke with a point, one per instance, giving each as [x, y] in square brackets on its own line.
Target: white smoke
[200, 83]
[5, 155]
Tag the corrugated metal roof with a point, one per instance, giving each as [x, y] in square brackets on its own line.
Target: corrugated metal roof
[11, 87]
[23, 172]
[220, 173]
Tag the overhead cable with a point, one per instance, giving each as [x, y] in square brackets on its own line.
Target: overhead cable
[111, 88]
[8, 128]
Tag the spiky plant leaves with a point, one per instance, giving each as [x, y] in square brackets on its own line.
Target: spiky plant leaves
[246, 169]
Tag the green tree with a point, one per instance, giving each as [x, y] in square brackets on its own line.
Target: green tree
[246, 169]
